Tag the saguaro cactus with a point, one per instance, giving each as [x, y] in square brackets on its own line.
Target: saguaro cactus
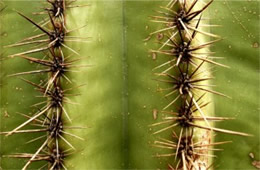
[128, 84]
[50, 51]
[184, 41]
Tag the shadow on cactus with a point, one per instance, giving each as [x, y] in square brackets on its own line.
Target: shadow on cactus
[45, 108]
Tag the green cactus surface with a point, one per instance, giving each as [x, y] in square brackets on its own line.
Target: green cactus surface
[116, 103]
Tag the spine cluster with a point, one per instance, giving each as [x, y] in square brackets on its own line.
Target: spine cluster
[186, 75]
[55, 64]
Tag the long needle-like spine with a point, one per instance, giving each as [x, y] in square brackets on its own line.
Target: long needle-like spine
[52, 115]
[188, 76]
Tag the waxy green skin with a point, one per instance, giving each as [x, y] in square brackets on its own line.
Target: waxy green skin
[120, 94]
[16, 95]
[241, 81]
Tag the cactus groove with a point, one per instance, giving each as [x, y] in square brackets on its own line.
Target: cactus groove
[148, 102]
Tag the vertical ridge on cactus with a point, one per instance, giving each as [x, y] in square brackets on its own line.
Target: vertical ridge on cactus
[152, 99]
[185, 43]
[52, 112]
